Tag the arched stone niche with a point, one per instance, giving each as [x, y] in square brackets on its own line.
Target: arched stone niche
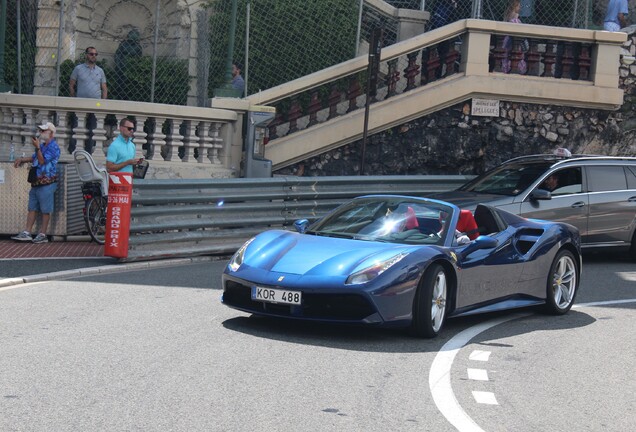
[104, 24]
[110, 21]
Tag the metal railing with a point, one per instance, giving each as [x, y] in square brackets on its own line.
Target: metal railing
[197, 217]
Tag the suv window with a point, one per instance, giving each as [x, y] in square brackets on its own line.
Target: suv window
[631, 177]
[606, 178]
[508, 179]
[564, 182]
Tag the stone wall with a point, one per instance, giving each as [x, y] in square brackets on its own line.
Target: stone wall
[452, 141]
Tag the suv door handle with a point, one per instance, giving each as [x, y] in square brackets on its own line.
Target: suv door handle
[578, 204]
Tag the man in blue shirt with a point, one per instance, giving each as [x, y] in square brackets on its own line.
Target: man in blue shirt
[616, 16]
[121, 152]
[41, 195]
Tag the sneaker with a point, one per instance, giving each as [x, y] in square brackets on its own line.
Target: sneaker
[23, 236]
[41, 238]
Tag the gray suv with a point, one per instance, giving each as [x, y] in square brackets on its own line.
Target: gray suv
[597, 194]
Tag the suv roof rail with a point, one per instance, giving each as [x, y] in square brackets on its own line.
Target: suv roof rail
[551, 157]
[545, 156]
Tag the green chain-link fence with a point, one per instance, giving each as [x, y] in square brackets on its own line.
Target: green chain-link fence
[144, 47]
[165, 52]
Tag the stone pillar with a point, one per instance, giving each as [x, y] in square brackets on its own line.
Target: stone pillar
[411, 23]
[475, 53]
[606, 62]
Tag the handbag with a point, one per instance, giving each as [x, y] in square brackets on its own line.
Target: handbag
[33, 175]
[140, 169]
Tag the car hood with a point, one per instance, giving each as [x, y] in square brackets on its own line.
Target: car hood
[303, 254]
[469, 200]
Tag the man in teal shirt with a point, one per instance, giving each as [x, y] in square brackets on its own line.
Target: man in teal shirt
[121, 152]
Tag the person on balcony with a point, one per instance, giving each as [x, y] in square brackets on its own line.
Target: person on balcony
[512, 15]
[89, 78]
[121, 152]
[238, 83]
[616, 16]
[44, 183]
[444, 13]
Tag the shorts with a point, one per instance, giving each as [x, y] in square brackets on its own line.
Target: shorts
[611, 26]
[41, 198]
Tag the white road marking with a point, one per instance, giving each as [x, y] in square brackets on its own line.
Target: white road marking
[478, 355]
[439, 380]
[477, 374]
[603, 303]
[628, 276]
[486, 398]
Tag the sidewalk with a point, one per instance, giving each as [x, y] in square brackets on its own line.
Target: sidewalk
[10, 249]
[25, 262]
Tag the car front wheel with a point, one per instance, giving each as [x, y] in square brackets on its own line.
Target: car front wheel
[563, 282]
[429, 305]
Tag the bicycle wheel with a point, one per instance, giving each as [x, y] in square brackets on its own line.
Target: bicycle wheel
[95, 218]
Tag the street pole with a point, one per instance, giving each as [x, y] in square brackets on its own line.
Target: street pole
[58, 55]
[375, 48]
[246, 62]
[226, 90]
[4, 87]
[154, 54]
[18, 23]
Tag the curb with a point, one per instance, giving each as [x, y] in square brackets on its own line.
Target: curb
[66, 274]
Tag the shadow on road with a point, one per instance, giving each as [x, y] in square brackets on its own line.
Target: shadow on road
[375, 339]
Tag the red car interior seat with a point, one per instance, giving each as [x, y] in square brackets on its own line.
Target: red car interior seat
[467, 225]
[411, 219]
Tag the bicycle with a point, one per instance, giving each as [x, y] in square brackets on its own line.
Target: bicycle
[95, 194]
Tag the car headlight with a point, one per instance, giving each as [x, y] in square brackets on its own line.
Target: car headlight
[376, 269]
[237, 258]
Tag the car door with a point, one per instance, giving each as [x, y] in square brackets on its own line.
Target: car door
[569, 202]
[489, 274]
[612, 202]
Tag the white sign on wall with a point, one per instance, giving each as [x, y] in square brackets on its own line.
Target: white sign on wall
[485, 108]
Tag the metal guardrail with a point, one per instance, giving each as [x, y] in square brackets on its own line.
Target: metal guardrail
[198, 217]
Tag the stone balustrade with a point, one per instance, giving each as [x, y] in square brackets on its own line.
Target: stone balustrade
[179, 141]
[469, 58]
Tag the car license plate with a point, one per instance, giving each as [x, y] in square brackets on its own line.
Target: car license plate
[272, 295]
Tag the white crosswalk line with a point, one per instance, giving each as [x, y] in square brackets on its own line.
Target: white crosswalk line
[478, 355]
[486, 398]
[477, 374]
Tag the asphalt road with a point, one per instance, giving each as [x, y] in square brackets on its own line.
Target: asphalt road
[154, 350]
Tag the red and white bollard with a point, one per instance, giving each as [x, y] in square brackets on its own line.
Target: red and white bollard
[118, 215]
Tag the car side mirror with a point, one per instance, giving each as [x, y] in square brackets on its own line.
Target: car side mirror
[540, 194]
[301, 225]
[481, 242]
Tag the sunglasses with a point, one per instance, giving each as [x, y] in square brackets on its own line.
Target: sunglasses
[91, 54]
[131, 129]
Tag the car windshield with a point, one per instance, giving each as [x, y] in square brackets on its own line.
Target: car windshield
[509, 179]
[387, 219]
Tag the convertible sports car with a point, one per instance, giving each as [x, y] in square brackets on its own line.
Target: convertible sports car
[405, 261]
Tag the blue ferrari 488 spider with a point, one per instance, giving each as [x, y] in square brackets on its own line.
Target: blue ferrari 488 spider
[405, 261]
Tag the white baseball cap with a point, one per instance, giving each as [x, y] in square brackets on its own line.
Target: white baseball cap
[47, 126]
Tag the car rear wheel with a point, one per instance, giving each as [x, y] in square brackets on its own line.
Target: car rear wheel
[429, 305]
[563, 283]
[632, 249]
